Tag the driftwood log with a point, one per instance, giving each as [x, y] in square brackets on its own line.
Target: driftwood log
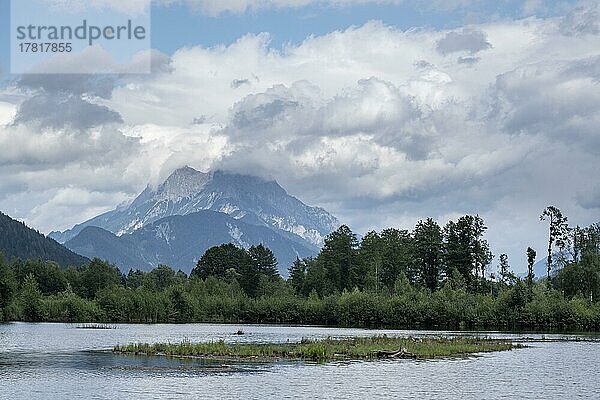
[402, 353]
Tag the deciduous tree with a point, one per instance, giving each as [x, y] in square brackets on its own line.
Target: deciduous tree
[558, 235]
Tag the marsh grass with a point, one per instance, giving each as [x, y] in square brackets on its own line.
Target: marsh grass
[329, 349]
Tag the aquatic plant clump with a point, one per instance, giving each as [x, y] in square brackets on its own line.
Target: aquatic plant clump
[330, 349]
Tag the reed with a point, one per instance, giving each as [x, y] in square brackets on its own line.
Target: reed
[330, 349]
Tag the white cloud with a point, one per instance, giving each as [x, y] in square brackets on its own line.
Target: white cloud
[7, 112]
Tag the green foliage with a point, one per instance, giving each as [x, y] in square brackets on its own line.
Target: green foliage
[31, 300]
[233, 263]
[339, 260]
[159, 279]
[19, 241]
[429, 252]
[297, 279]
[264, 260]
[397, 252]
[428, 278]
[8, 286]
[216, 261]
[95, 276]
[581, 275]
[48, 274]
[466, 250]
[68, 307]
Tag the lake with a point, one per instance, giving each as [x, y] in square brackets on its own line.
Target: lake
[61, 361]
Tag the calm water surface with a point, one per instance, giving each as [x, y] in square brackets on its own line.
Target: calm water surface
[60, 361]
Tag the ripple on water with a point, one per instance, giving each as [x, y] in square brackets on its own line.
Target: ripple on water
[58, 361]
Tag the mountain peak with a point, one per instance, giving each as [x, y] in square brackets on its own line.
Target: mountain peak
[182, 183]
[186, 170]
[246, 198]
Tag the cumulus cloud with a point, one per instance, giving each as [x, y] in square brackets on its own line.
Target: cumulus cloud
[559, 99]
[466, 40]
[7, 112]
[65, 101]
[584, 20]
[64, 111]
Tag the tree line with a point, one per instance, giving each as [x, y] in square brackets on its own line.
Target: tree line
[430, 277]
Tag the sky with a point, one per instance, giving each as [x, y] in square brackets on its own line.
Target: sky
[383, 112]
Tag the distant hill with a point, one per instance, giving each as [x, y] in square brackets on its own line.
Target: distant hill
[17, 240]
[180, 240]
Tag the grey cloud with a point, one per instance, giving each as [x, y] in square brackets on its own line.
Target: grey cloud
[423, 64]
[42, 163]
[51, 142]
[33, 149]
[560, 101]
[590, 197]
[258, 116]
[62, 111]
[79, 84]
[582, 21]
[584, 68]
[160, 62]
[200, 120]
[468, 60]
[236, 83]
[66, 101]
[263, 115]
[469, 40]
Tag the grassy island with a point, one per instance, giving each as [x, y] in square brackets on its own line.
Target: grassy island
[368, 348]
